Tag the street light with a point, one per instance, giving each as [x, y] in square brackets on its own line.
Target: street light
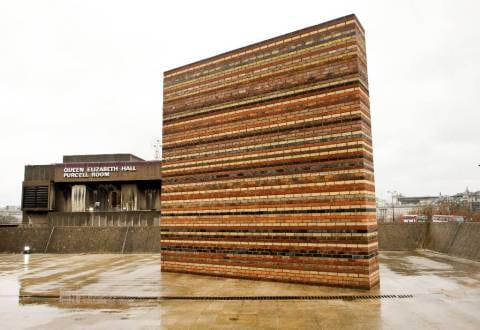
[393, 193]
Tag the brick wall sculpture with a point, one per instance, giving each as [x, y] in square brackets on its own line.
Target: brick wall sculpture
[267, 161]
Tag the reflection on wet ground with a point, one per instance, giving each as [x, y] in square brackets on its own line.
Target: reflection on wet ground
[68, 291]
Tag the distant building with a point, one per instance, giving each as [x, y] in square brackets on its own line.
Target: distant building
[418, 200]
[400, 205]
[393, 212]
[10, 215]
[102, 190]
[468, 198]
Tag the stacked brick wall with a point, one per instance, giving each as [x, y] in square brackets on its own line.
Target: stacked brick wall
[267, 161]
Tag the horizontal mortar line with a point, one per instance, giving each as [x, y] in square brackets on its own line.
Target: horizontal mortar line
[270, 178]
[331, 197]
[275, 177]
[263, 224]
[362, 206]
[267, 230]
[272, 200]
[267, 212]
[282, 187]
[268, 235]
[252, 200]
[269, 243]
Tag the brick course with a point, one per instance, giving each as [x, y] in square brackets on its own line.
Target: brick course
[267, 161]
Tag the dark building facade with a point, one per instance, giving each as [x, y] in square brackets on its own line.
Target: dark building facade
[84, 187]
[267, 168]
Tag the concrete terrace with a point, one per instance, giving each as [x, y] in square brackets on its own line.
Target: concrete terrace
[60, 291]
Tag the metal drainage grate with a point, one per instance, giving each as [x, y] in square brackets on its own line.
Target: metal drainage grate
[338, 297]
[344, 297]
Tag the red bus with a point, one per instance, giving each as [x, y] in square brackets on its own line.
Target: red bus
[412, 218]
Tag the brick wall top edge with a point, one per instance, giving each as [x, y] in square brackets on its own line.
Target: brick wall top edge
[264, 42]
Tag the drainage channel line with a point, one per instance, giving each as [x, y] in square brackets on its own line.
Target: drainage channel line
[162, 298]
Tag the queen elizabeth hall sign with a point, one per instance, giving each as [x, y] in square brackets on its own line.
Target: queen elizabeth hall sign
[95, 172]
[267, 161]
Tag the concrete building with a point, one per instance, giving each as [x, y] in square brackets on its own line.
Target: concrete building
[267, 161]
[469, 198]
[112, 189]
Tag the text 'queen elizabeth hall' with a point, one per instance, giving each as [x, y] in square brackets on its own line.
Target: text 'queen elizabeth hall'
[267, 161]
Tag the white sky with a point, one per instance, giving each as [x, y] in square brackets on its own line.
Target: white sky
[86, 77]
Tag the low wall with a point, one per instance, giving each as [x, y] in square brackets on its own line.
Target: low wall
[441, 236]
[143, 239]
[463, 240]
[14, 239]
[401, 237]
[455, 239]
[87, 240]
[81, 239]
[460, 240]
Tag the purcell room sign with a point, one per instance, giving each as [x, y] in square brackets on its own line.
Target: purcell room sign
[95, 171]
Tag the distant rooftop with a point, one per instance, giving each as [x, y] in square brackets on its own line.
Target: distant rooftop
[416, 199]
[101, 158]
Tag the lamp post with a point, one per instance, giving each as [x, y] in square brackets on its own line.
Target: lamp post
[393, 193]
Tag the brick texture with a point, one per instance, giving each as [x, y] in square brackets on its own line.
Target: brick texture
[267, 161]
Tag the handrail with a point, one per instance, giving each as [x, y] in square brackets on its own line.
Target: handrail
[49, 238]
[125, 240]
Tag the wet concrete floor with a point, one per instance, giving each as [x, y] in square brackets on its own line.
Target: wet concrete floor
[48, 291]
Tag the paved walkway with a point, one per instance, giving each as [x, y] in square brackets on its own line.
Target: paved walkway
[446, 294]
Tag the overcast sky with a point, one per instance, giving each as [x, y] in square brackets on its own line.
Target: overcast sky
[82, 77]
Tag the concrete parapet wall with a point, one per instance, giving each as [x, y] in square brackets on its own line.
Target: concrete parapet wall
[460, 240]
[401, 237]
[143, 239]
[81, 239]
[466, 243]
[87, 240]
[455, 239]
[14, 239]
[441, 236]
